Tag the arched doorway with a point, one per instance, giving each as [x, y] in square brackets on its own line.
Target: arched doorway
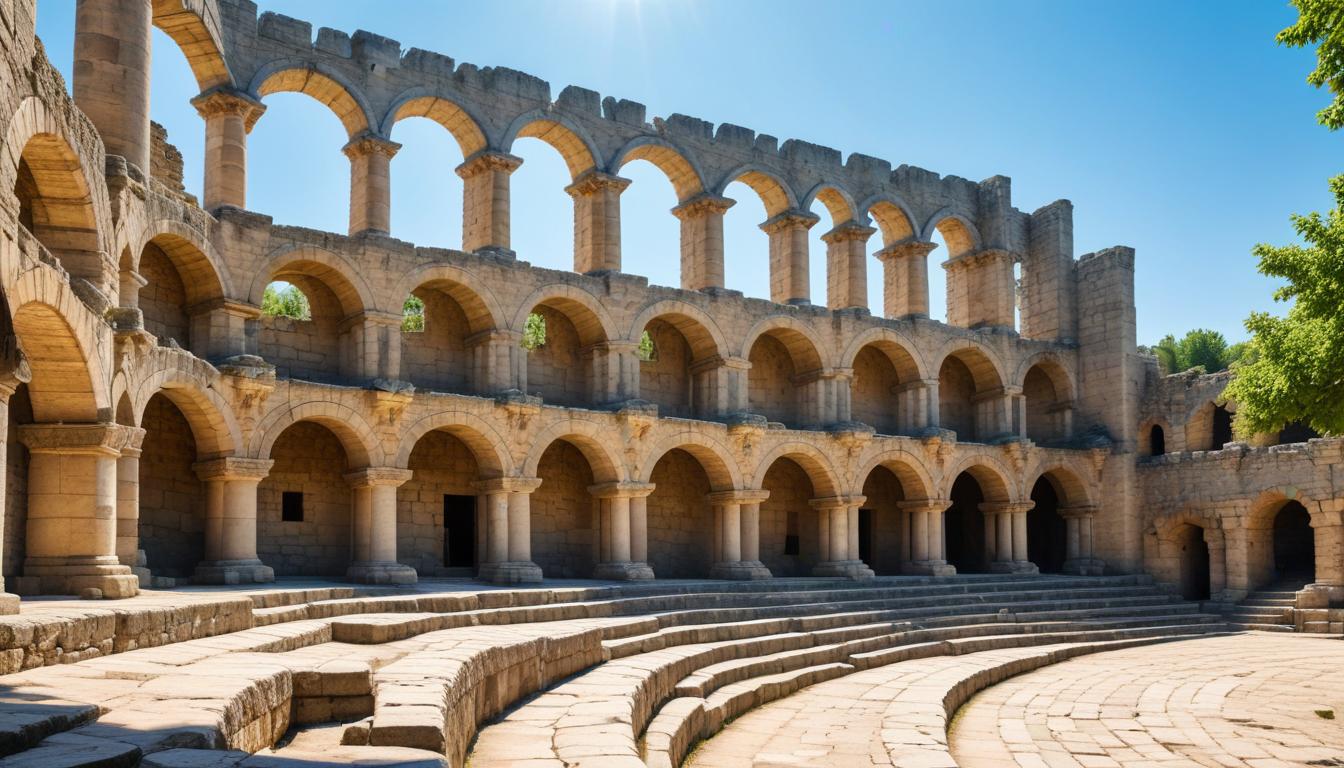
[680, 520]
[964, 526]
[1046, 530]
[1294, 543]
[881, 539]
[304, 505]
[1194, 560]
[172, 497]
[1157, 441]
[564, 540]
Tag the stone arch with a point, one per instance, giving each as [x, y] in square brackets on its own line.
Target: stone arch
[988, 472]
[713, 456]
[814, 462]
[780, 350]
[60, 343]
[206, 272]
[908, 468]
[680, 169]
[793, 474]
[1267, 525]
[1208, 426]
[575, 146]
[319, 82]
[585, 310]
[190, 26]
[470, 292]
[361, 444]
[211, 419]
[967, 374]
[839, 204]
[291, 263]
[774, 193]
[701, 331]
[801, 340]
[1190, 554]
[958, 232]
[1153, 437]
[595, 442]
[985, 366]
[1047, 388]
[903, 353]
[455, 118]
[1070, 487]
[892, 216]
[685, 340]
[486, 444]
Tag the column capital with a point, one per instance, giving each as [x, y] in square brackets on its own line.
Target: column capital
[789, 219]
[718, 361]
[738, 496]
[593, 180]
[905, 249]
[493, 336]
[991, 394]
[488, 160]
[368, 143]
[1078, 510]
[849, 230]
[233, 468]
[702, 204]
[974, 258]
[1005, 507]
[228, 306]
[104, 439]
[837, 502]
[508, 484]
[16, 371]
[620, 490]
[613, 346]
[924, 505]
[218, 102]
[376, 476]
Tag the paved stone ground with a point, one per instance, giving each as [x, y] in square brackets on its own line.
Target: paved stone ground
[1242, 700]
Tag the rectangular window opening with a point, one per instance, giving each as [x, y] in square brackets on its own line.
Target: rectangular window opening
[291, 506]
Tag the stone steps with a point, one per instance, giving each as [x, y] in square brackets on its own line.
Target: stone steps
[1267, 610]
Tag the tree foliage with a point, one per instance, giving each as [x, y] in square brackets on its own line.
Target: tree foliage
[412, 315]
[534, 332]
[646, 351]
[1321, 23]
[1298, 370]
[1200, 348]
[285, 300]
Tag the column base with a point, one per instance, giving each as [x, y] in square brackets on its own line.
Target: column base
[381, 573]
[623, 571]
[1084, 566]
[928, 568]
[1014, 566]
[850, 569]
[740, 570]
[1318, 595]
[77, 575]
[518, 572]
[233, 572]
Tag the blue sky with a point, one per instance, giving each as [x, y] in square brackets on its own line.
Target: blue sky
[1180, 129]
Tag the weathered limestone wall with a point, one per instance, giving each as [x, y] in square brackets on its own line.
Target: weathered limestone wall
[172, 498]
[882, 491]
[787, 514]
[875, 393]
[564, 541]
[771, 389]
[666, 380]
[440, 464]
[163, 298]
[681, 522]
[308, 459]
[437, 358]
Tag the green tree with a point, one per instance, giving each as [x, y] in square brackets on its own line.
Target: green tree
[534, 332]
[1321, 23]
[1295, 371]
[412, 315]
[1201, 348]
[285, 300]
[646, 351]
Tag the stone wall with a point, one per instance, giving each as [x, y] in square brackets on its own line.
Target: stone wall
[564, 539]
[308, 459]
[441, 465]
[558, 370]
[163, 298]
[787, 514]
[681, 522]
[771, 391]
[666, 379]
[172, 498]
[874, 393]
[882, 491]
[437, 358]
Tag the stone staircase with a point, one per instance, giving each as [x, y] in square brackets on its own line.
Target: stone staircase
[1268, 610]
[579, 673]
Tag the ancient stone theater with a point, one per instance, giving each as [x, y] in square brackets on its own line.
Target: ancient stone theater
[578, 519]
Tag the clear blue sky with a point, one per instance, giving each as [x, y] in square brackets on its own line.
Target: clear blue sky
[1178, 128]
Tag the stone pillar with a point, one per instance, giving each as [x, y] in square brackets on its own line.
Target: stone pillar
[597, 221]
[1213, 537]
[1006, 536]
[788, 256]
[926, 537]
[112, 70]
[836, 543]
[485, 201]
[509, 535]
[128, 510]
[498, 361]
[231, 521]
[737, 534]
[223, 329]
[614, 371]
[981, 291]
[847, 265]
[229, 117]
[370, 183]
[615, 545]
[912, 407]
[1078, 526]
[905, 279]
[720, 385]
[372, 342]
[374, 527]
[9, 383]
[128, 291]
[702, 240]
[72, 508]
[993, 414]
[826, 397]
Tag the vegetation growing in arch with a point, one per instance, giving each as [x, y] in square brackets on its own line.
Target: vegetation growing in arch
[285, 300]
[413, 315]
[534, 332]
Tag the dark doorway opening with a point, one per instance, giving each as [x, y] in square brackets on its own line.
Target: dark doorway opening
[1297, 432]
[1194, 563]
[1157, 441]
[1294, 543]
[459, 531]
[964, 526]
[1047, 533]
[1222, 427]
[866, 535]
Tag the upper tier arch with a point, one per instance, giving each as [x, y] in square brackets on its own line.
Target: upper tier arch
[323, 84]
[447, 112]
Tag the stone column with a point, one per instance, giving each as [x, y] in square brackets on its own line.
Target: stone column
[993, 414]
[72, 509]
[223, 329]
[912, 407]
[1213, 537]
[981, 291]
[129, 552]
[372, 342]
[615, 542]
[614, 371]
[9, 384]
[498, 361]
[509, 536]
[702, 240]
[485, 201]
[370, 183]
[229, 117]
[847, 265]
[836, 557]
[905, 279]
[788, 256]
[112, 71]
[374, 527]
[720, 385]
[737, 534]
[1078, 534]
[825, 396]
[231, 521]
[926, 537]
[597, 221]
[1006, 523]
